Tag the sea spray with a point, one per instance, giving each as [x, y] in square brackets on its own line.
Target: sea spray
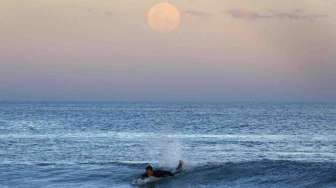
[170, 152]
[165, 151]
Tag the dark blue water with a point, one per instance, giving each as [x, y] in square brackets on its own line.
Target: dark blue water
[223, 145]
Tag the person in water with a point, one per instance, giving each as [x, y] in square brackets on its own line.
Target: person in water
[150, 172]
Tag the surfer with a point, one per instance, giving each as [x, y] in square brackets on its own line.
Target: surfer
[150, 172]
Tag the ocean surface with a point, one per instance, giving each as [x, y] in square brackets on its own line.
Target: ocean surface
[102, 145]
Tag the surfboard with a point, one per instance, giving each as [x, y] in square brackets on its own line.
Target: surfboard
[143, 181]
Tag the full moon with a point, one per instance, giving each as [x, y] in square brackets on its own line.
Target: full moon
[164, 17]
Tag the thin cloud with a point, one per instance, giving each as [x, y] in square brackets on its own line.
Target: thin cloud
[95, 11]
[271, 14]
[197, 13]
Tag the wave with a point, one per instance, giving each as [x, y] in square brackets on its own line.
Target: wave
[265, 173]
[252, 174]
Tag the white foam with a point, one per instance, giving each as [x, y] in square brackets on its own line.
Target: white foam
[172, 137]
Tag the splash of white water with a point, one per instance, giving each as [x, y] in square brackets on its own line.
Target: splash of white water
[170, 152]
[166, 151]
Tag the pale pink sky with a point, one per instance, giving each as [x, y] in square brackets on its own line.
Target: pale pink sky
[222, 51]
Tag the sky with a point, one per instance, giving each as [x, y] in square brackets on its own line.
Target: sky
[222, 50]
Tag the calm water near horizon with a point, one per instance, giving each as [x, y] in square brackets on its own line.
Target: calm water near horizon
[55, 144]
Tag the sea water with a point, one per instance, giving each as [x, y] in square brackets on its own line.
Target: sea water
[106, 144]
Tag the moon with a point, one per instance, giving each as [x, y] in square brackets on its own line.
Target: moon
[164, 17]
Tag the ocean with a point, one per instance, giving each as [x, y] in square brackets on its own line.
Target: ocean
[108, 144]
